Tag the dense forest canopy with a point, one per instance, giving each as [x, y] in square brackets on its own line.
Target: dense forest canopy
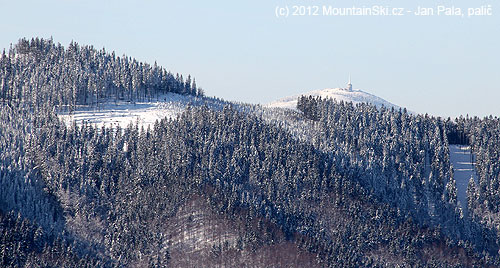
[333, 185]
[44, 73]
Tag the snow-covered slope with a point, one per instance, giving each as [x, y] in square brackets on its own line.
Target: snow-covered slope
[170, 105]
[339, 94]
[145, 113]
[462, 161]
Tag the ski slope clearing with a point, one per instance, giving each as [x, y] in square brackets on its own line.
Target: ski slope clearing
[462, 161]
[122, 113]
[339, 94]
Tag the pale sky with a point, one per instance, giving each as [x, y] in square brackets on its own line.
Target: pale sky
[240, 50]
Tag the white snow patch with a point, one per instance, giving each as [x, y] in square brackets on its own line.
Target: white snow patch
[123, 113]
[339, 94]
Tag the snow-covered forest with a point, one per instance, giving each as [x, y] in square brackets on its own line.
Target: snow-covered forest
[331, 184]
[44, 73]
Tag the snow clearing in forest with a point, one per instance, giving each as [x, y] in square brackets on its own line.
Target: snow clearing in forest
[462, 161]
[145, 113]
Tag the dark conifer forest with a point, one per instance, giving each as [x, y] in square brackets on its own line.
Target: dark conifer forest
[334, 184]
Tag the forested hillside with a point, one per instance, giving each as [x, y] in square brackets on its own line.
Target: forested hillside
[484, 137]
[41, 72]
[357, 186]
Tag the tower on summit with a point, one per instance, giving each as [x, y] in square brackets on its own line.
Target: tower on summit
[349, 85]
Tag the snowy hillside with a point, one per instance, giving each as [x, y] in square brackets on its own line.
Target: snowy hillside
[170, 105]
[123, 113]
[462, 161]
[340, 94]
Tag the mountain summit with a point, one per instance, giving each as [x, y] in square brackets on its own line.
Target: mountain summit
[340, 94]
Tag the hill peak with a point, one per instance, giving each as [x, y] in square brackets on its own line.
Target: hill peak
[340, 94]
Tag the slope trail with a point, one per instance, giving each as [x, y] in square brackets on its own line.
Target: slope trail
[462, 160]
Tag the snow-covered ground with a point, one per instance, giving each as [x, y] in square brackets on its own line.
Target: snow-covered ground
[170, 105]
[145, 113]
[462, 161]
[339, 94]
